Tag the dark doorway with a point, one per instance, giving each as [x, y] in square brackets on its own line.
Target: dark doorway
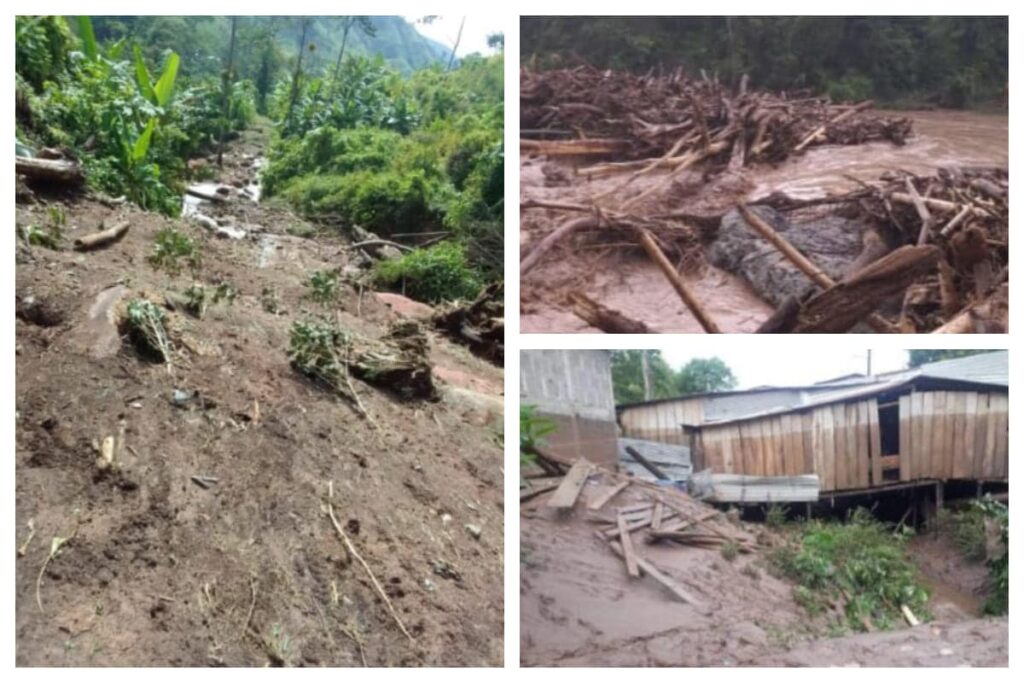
[889, 427]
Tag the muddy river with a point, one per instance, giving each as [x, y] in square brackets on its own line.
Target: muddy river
[635, 286]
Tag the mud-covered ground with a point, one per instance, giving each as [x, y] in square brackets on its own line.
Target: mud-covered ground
[578, 607]
[248, 570]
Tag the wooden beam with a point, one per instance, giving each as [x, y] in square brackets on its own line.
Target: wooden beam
[603, 499]
[564, 498]
[627, 548]
[656, 574]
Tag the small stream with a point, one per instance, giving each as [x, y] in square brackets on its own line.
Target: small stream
[200, 201]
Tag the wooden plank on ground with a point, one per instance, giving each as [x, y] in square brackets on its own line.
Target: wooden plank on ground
[627, 549]
[875, 437]
[564, 498]
[659, 512]
[533, 491]
[656, 574]
[602, 500]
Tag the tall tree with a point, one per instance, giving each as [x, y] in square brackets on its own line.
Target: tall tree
[227, 80]
[703, 375]
[455, 47]
[297, 76]
[628, 377]
[364, 24]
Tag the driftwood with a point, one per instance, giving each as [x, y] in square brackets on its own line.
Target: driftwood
[102, 238]
[574, 147]
[553, 238]
[846, 303]
[54, 171]
[987, 316]
[650, 245]
[603, 318]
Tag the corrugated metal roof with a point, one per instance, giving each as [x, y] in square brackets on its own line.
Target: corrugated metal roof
[985, 370]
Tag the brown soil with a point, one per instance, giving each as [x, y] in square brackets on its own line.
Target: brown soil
[249, 571]
[578, 607]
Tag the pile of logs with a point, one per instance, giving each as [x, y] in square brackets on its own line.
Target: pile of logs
[951, 231]
[648, 514]
[672, 115]
[479, 324]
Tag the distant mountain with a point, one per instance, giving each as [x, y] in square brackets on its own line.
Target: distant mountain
[202, 40]
[396, 40]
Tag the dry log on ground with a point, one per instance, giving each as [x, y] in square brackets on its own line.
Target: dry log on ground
[603, 318]
[840, 307]
[102, 238]
[479, 324]
[53, 171]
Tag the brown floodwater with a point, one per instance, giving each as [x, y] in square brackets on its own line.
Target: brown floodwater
[941, 138]
[637, 287]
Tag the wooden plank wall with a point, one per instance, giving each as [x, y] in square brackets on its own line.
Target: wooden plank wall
[954, 435]
[837, 442]
[661, 421]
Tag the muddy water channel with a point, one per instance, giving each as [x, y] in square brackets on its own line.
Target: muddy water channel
[633, 285]
[942, 138]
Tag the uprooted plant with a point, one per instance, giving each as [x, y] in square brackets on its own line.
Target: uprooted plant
[398, 361]
[146, 325]
[198, 297]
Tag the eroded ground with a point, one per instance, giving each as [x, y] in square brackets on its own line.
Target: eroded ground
[248, 570]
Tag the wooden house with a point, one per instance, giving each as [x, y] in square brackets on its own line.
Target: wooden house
[940, 422]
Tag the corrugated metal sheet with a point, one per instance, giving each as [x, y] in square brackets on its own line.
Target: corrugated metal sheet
[985, 368]
[673, 460]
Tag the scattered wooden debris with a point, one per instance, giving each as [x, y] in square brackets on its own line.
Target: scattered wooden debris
[479, 324]
[603, 499]
[568, 491]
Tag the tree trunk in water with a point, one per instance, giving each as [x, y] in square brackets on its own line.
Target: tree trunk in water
[225, 105]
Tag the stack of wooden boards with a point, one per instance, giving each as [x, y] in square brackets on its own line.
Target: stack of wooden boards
[647, 514]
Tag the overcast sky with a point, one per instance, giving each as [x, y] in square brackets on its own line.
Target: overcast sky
[779, 366]
[474, 34]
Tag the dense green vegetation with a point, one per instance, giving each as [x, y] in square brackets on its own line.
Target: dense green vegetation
[132, 121]
[948, 61]
[398, 142]
[860, 565]
[699, 375]
[362, 145]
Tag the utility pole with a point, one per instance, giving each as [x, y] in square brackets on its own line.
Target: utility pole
[458, 39]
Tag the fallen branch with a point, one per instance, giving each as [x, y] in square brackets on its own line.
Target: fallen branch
[603, 318]
[553, 238]
[350, 547]
[102, 238]
[55, 171]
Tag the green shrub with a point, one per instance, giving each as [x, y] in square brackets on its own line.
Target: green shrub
[323, 286]
[328, 151]
[860, 563]
[776, 516]
[532, 430]
[172, 246]
[438, 273]
[382, 202]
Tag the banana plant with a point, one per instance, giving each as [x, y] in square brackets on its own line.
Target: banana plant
[159, 93]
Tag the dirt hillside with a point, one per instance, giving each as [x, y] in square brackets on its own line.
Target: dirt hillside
[208, 542]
